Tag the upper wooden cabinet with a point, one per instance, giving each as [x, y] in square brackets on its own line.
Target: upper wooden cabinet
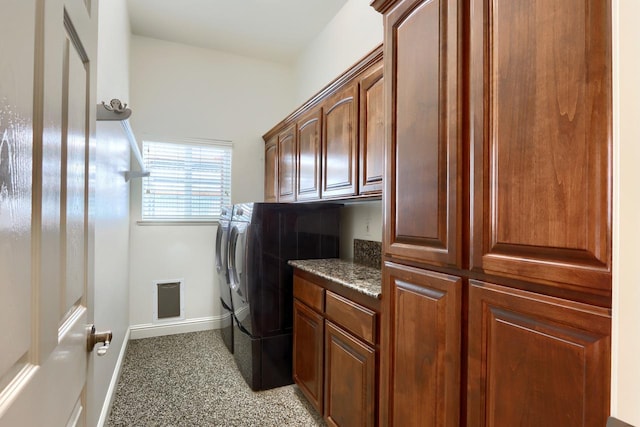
[271, 188]
[424, 171]
[309, 144]
[339, 139]
[340, 144]
[371, 131]
[541, 115]
[287, 164]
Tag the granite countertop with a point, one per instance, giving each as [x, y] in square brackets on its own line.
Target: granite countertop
[366, 280]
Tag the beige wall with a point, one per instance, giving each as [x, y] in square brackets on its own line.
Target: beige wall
[111, 283]
[625, 390]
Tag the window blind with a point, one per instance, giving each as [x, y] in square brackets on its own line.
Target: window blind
[188, 182]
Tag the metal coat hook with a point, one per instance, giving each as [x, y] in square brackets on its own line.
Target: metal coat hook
[115, 105]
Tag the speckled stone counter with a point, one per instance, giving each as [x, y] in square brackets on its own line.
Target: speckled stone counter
[366, 280]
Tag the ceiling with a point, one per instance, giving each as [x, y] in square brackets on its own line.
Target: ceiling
[274, 30]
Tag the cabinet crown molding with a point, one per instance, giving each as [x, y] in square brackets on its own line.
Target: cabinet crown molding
[382, 5]
[342, 80]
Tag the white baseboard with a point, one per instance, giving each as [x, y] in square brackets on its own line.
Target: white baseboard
[148, 330]
[111, 391]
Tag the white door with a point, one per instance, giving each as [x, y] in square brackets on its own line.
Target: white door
[47, 125]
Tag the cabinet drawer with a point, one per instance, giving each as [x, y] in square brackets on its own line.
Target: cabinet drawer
[357, 319]
[309, 293]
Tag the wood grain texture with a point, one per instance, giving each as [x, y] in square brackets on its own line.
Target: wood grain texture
[536, 360]
[350, 369]
[350, 366]
[308, 353]
[423, 149]
[287, 164]
[348, 76]
[271, 170]
[309, 293]
[371, 131]
[337, 288]
[343, 181]
[541, 109]
[353, 317]
[383, 6]
[308, 161]
[340, 144]
[421, 347]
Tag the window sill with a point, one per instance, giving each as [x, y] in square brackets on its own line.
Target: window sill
[181, 223]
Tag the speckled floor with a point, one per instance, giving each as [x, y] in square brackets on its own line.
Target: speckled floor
[192, 380]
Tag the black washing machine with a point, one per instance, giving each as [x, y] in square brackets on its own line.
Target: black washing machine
[263, 237]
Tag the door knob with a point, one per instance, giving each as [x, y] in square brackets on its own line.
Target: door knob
[94, 337]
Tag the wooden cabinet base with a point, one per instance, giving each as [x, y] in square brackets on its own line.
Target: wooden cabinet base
[308, 353]
[349, 380]
[335, 347]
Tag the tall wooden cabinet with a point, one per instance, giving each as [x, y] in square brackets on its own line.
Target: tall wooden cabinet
[536, 360]
[497, 190]
[541, 111]
[423, 152]
[422, 352]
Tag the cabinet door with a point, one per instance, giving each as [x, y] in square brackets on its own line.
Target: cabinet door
[421, 347]
[536, 360]
[540, 101]
[349, 379]
[309, 128]
[271, 170]
[340, 144]
[308, 350]
[423, 200]
[287, 165]
[371, 132]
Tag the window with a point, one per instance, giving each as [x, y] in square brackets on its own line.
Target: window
[188, 181]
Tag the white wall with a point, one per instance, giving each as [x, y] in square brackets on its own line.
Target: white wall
[355, 31]
[178, 91]
[625, 378]
[111, 292]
